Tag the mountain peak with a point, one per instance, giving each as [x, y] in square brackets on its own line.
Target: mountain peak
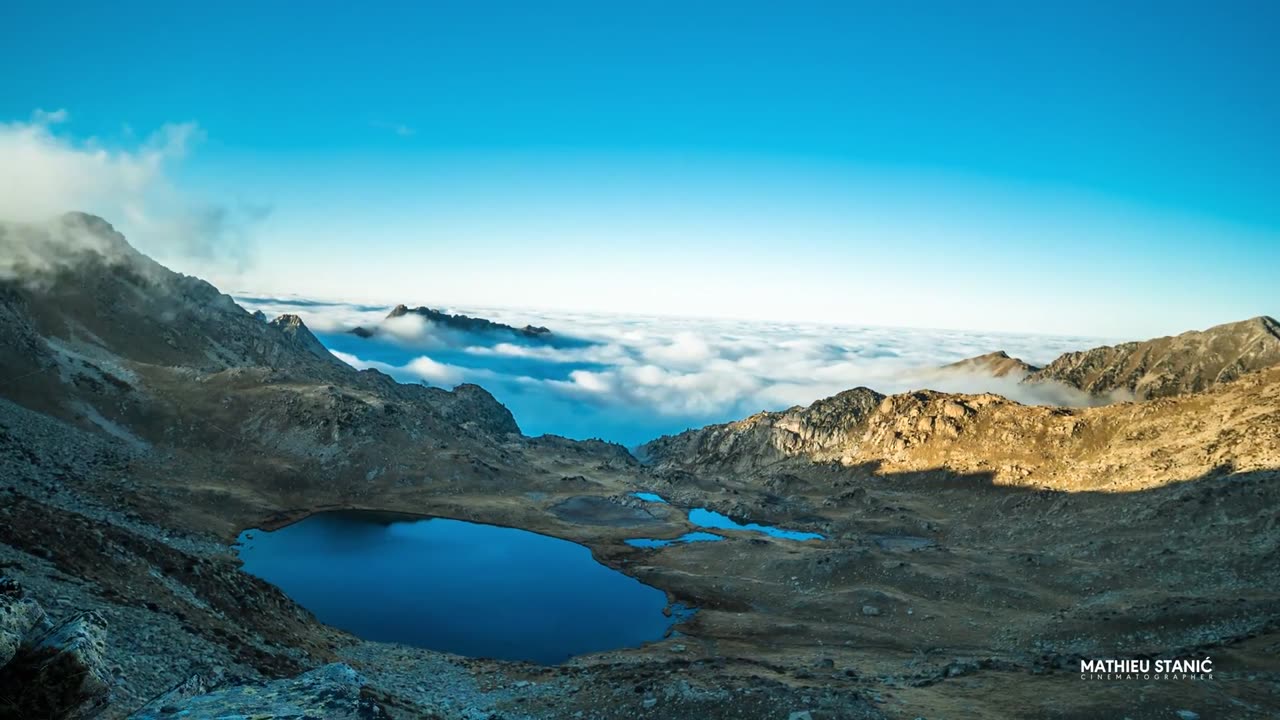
[1265, 323]
[300, 335]
[996, 364]
[35, 252]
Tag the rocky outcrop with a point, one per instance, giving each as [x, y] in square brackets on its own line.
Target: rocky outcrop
[19, 615]
[473, 407]
[51, 671]
[463, 323]
[825, 426]
[296, 333]
[333, 692]
[1186, 363]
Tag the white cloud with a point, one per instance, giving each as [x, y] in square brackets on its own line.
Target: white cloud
[45, 172]
[49, 117]
[418, 369]
[434, 372]
[644, 376]
[685, 349]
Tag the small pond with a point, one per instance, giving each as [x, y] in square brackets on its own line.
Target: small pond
[460, 587]
[702, 517]
[650, 497]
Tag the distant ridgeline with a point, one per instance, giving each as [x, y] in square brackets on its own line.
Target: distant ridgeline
[1161, 367]
[462, 323]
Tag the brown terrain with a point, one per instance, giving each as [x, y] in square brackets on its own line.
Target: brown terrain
[976, 549]
[996, 364]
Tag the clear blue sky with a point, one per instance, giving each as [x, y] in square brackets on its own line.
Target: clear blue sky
[1093, 168]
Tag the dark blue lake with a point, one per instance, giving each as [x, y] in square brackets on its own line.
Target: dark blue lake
[465, 588]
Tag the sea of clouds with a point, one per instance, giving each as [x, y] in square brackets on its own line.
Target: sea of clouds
[630, 379]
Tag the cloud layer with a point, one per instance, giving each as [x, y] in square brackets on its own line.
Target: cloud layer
[630, 379]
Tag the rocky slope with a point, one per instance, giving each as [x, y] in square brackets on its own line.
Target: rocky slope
[1186, 363]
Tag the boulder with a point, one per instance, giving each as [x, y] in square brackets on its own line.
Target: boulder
[60, 673]
[19, 616]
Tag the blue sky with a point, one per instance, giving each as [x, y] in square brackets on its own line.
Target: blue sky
[1103, 169]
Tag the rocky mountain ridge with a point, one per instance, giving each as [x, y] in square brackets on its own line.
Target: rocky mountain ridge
[932, 429]
[822, 427]
[461, 323]
[123, 330]
[1160, 367]
[1121, 446]
[1166, 366]
[996, 364]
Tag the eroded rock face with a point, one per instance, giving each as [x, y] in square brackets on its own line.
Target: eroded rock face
[333, 692]
[57, 671]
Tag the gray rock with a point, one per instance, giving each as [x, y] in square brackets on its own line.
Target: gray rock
[332, 692]
[19, 616]
[826, 426]
[800, 715]
[1188, 715]
[293, 329]
[870, 610]
[62, 672]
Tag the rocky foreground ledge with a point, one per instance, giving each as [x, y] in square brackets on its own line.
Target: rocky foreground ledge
[48, 670]
[61, 670]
